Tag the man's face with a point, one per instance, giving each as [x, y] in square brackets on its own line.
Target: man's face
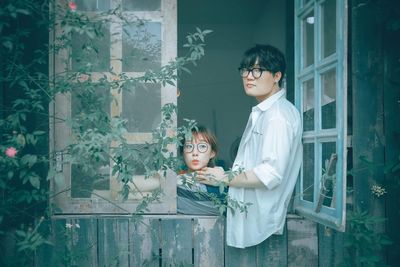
[263, 87]
[197, 153]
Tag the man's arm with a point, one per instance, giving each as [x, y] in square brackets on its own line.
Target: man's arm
[276, 149]
[214, 176]
[246, 179]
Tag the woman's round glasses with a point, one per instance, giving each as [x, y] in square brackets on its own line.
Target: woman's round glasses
[201, 147]
[255, 72]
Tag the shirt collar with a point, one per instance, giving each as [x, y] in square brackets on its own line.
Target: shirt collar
[267, 103]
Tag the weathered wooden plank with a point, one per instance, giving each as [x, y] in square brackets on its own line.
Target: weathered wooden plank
[273, 251]
[240, 257]
[44, 254]
[83, 236]
[64, 250]
[368, 108]
[145, 239]
[56, 254]
[391, 77]
[113, 246]
[177, 241]
[208, 241]
[330, 247]
[302, 243]
[74, 242]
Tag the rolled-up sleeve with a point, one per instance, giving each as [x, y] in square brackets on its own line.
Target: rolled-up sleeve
[277, 141]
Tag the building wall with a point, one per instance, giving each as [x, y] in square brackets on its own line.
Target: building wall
[174, 240]
[213, 94]
[375, 107]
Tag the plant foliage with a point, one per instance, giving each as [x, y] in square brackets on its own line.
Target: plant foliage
[97, 138]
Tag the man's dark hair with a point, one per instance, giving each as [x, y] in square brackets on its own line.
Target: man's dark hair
[266, 56]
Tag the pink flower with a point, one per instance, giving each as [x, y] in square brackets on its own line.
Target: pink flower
[72, 6]
[11, 152]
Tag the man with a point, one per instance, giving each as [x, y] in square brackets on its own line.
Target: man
[270, 153]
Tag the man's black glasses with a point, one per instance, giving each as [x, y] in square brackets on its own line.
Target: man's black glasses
[255, 72]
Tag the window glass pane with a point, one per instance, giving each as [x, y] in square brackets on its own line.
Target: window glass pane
[93, 181]
[308, 39]
[328, 28]
[92, 5]
[92, 177]
[308, 172]
[141, 47]
[89, 99]
[328, 101]
[91, 52]
[141, 5]
[140, 158]
[141, 106]
[328, 175]
[308, 105]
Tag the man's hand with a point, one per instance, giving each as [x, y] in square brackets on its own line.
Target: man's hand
[212, 176]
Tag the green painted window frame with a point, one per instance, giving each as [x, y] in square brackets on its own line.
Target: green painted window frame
[333, 216]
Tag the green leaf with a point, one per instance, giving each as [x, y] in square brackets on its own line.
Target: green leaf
[31, 139]
[29, 160]
[39, 133]
[170, 82]
[20, 138]
[396, 168]
[8, 44]
[23, 11]
[22, 116]
[22, 83]
[35, 181]
[221, 188]
[20, 233]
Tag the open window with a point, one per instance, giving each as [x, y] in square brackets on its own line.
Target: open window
[320, 95]
[146, 40]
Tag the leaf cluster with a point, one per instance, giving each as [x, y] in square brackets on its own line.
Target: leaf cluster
[363, 242]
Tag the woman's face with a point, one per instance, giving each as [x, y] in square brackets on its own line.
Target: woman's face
[197, 153]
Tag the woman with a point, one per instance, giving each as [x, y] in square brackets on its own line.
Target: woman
[198, 152]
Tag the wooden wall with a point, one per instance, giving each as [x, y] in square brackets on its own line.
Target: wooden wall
[375, 60]
[391, 84]
[171, 240]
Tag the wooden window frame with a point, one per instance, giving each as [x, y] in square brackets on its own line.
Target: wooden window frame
[335, 216]
[61, 108]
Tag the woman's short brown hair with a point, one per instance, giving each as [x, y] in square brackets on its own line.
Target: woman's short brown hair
[209, 138]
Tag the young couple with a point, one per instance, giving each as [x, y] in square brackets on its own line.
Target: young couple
[270, 154]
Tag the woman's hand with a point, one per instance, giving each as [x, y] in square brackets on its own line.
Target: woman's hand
[212, 176]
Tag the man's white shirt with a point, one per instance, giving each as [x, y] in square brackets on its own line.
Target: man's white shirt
[270, 146]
